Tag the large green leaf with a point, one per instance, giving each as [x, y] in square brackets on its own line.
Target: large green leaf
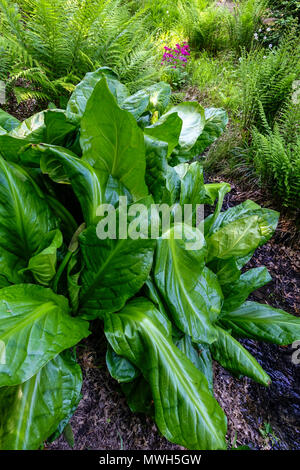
[190, 289]
[161, 179]
[192, 188]
[7, 121]
[114, 270]
[166, 129]
[153, 98]
[50, 126]
[235, 293]
[138, 395]
[234, 357]
[216, 221]
[25, 219]
[43, 265]
[83, 91]
[212, 191]
[68, 224]
[193, 121]
[120, 368]
[30, 412]
[64, 167]
[150, 291]
[209, 222]
[59, 126]
[35, 325]
[185, 411]
[29, 131]
[243, 235]
[199, 355]
[137, 104]
[229, 270]
[12, 269]
[112, 142]
[263, 322]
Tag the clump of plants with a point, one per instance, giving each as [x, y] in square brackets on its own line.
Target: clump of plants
[267, 81]
[169, 304]
[275, 153]
[175, 60]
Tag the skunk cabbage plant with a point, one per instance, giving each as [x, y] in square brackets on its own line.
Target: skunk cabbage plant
[169, 304]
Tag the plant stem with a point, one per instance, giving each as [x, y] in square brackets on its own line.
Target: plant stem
[60, 270]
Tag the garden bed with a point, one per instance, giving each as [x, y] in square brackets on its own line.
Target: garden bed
[104, 421]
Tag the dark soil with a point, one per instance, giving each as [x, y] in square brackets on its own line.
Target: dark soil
[104, 421]
[26, 108]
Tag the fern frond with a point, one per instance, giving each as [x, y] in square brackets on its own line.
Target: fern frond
[23, 94]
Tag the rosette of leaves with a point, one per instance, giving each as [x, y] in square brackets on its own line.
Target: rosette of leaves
[168, 305]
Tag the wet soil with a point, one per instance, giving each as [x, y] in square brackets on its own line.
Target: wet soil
[104, 421]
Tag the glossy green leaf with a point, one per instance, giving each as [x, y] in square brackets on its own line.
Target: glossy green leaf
[68, 224]
[35, 326]
[112, 142]
[237, 292]
[263, 322]
[151, 292]
[199, 355]
[185, 412]
[166, 129]
[120, 368]
[137, 104]
[25, 219]
[192, 189]
[190, 290]
[209, 222]
[43, 265]
[212, 191]
[30, 412]
[243, 235]
[50, 126]
[7, 121]
[29, 131]
[12, 269]
[59, 126]
[227, 270]
[138, 396]
[64, 167]
[234, 357]
[219, 220]
[114, 270]
[193, 121]
[83, 91]
[161, 179]
[153, 98]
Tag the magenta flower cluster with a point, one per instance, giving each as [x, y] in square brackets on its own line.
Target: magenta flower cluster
[177, 56]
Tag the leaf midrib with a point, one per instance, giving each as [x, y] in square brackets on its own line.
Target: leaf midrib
[158, 337]
[85, 296]
[38, 312]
